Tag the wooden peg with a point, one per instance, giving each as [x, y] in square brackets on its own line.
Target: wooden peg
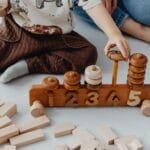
[37, 109]
[116, 56]
[146, 108]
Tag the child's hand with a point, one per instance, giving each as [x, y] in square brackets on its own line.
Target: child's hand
[110, 5]
[121, 43]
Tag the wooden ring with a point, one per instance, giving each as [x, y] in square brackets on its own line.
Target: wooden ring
[93, 82]
[115, 55]
[135, 81]
[136, 69]
[51, 83]
[138, 60]
[93, 72]
[136, 75]
[71, 87]
[72, 78]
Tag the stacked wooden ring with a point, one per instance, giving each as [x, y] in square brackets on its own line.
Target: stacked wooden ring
[51, 83]
[72, 80]
[93, 75]
[137, 69]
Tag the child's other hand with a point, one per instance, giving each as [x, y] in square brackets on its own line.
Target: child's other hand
[110, 5]
[121, 43]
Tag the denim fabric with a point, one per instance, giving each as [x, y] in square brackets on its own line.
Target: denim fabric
[125, 9]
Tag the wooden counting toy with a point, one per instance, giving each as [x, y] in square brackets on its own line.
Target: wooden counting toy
[50, 93]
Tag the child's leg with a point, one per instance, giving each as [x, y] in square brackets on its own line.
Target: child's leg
[136, 29]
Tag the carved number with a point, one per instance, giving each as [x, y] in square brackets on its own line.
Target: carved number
[134, 98]
[71, 99]
[92, 99]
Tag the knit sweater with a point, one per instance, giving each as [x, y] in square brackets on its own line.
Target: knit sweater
[47, 16]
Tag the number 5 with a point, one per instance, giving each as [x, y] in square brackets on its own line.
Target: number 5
[134, 98]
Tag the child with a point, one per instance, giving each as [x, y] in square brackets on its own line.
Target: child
[131, 16]
[36, 37]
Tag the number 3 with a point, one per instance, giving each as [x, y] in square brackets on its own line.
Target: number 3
[134, 98]
[92, 99]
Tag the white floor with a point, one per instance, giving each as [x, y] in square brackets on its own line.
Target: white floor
[125, 121]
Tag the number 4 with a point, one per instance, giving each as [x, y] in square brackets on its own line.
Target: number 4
[134, 98]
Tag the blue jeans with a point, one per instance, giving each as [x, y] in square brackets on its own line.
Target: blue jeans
[139, 10]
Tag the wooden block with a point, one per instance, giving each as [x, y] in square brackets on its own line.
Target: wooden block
[146, 108]
[126, 140]
[74, 145]
[90, 145]
[1, 103]
[63, 129]
[5, 121]
[121, 146]
[27, 138]
[8, 132]
[107, 134]
[61, 147]
[8, 109]
[135, 145]
[36, 123]
[109, 147]
[83, 134]
[9, 147]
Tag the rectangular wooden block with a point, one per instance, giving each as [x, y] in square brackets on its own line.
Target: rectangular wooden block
[63, 129]
[83, 134]
[36, 123]
[90, 145]
[106, 147]
[74, 145]
[136, 145]
[27, 138]
[5, 121]
[8, 109]
[8, 132]
[61, 147]
[107, 134]
[1, 103]
[9, 147]
[121, 146]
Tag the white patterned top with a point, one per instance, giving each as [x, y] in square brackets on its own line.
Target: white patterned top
[47, 16]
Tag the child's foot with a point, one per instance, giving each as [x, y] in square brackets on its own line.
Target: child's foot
[14, 71]
[136, 29]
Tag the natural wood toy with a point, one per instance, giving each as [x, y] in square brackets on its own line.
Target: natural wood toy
[93, 92]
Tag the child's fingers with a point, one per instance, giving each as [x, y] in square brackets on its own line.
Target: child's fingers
[108, 6]
[108, 46]
[114, 5]
[123, 49]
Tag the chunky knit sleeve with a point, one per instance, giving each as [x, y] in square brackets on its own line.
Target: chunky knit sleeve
[88, 4]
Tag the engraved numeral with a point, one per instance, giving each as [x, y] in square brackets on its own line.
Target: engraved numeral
[92, 99]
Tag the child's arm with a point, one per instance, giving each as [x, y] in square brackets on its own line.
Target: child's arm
[103, 19]
[4, 7]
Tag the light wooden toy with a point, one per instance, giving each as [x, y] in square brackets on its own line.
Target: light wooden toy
[50, 93]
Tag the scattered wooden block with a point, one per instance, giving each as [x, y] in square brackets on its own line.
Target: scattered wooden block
[146, 108]
[36, 123]
[90, 145]
[1, 103]
[74, 145]
[107, 134]
[8, 132]
[27, 138]
[135, 145]
[9, 147]
[110, 147]
[125, 139]
[8, 109]
[63, 129]
[5, 121]
[121, 146]
[61, 147]
[83, 134]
